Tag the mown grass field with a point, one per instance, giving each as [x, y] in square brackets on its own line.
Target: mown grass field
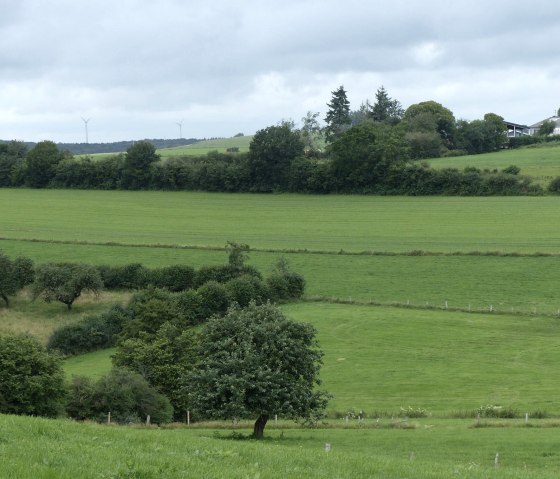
[433, 450]
[377, 358]
[540, 163]
[324, 223]
[206, 146]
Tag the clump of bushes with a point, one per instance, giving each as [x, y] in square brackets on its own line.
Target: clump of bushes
[125, 394]
[31, 379]
[91, 333]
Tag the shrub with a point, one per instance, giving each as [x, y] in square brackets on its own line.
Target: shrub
[214, 299]
[173, 278]
[189, 307]
[130, 276]
[245, 289]
[223, 273]
[150, 309]
[554, 185]
[491, 410]
[91, 333]
[126, 395]
[31, 380]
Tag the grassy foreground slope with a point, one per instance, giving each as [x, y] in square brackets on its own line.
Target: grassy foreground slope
[350, 223]
[67, 450]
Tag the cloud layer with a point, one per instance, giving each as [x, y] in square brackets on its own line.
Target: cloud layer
[137, 67]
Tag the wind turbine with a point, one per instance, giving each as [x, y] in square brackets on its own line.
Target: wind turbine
[85, 124]
[180, 125]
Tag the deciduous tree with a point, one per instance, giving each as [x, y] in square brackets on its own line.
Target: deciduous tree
[65, 282]
[14, 275]
[256, 362]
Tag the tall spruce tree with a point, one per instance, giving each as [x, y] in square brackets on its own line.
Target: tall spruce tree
[338, 117]
[385, 109]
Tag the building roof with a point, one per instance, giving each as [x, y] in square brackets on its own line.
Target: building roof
[555, 119]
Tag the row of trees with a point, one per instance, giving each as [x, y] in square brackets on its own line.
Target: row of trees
[369, 150]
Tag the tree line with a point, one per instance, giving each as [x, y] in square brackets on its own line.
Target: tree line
[376, 149]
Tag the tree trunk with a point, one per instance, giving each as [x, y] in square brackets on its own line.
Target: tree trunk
[6, 300]
[260, 423]
[69, 306]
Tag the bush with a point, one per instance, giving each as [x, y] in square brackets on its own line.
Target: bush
[31, 380]
[91, 333]
[214, 299]
[223, 273]
[173, 278]
[244, 289]
[126, 395]
[554, 185]
[130, 276]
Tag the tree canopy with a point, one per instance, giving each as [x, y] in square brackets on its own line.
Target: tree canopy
[137, 164]
[65, 282]
[271, 153]
[256, 362]
[338, 116]
[14, 275]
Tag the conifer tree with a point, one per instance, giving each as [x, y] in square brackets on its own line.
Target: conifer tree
[338, 117]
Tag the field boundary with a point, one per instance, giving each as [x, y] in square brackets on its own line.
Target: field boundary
[340, 252]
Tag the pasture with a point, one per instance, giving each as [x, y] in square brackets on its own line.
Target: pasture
[202, 148]
[431, 450]
[412, 257]
[540, 162]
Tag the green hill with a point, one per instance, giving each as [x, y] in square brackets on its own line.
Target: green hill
[541, 162]
[203, 147]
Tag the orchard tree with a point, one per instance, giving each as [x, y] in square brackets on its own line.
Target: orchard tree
[14, 275]
[137, 165]
[338, 116]
[256, 362]
[65, 282]
[546, 128]
[271, 153]
[31, 380]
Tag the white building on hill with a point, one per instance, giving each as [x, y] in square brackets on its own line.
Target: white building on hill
[534, 129]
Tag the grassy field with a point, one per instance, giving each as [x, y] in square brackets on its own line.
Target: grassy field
[432, 450]
[204, 147]
[542, 164]
[377, 358]
[325, 223]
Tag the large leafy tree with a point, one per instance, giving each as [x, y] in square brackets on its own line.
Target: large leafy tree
[31, 380]
[14, 275]
[12, 156]
[365, 154]
[137, 165]
[441, 117]
[41, 162]
[271, 153]
[256, 362]
[338, 118]
[65, 282]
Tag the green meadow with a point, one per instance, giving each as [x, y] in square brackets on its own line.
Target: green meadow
[430, 449]
[202, 148]
[285, 222]
[441, 304]
[542, 163]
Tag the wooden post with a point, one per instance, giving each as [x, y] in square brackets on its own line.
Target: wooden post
[497, 460]
[148, 420]
[526, 417]
[109, 418]
[188, 418]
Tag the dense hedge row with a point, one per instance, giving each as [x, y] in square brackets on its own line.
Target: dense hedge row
[227, 172]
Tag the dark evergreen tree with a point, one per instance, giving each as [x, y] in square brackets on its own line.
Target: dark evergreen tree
[385, 109]
[338, 117]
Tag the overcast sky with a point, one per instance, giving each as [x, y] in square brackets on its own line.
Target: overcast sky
[136, 68]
